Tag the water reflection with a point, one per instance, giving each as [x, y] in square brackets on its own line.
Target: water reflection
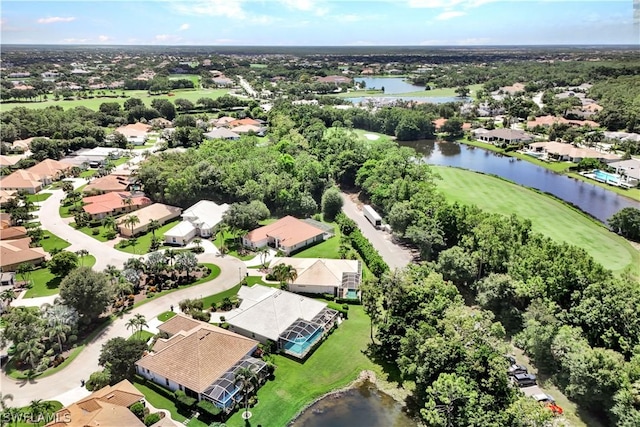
[597, 201]
[359, 407]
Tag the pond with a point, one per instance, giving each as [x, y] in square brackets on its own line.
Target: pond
[596, 201]
[361, 406]
[392, 85]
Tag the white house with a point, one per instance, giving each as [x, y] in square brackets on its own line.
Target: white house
[198, 220]
[338, 277]
[295, 323]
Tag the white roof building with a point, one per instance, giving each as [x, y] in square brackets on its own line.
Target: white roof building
[339, 277]
[200, 219]
[294, 322]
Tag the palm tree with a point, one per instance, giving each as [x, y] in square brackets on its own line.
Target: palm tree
[113, 273]
[109, 222]
[284, 273]
[248, 381]
[7, 295]
[170, 254]
[30, 351]
[131, 221]
[4, 397]
[24, 270]
[128, 202]
[141, 322]
[81, 254]
[154, 224]
[132, 324]
[59, 332]
[263, 252]
[186, 261]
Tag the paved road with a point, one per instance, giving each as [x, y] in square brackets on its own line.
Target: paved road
[64, 382]
[49, 217]
[394, 255]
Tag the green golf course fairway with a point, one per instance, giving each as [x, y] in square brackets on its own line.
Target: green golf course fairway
[548, 216]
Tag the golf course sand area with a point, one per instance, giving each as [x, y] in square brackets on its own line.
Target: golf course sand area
[548, 215]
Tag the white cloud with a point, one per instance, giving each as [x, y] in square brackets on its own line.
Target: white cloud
[54, 19]
[184, 27]
[163, 37]
[450, 15]
[103, 38]
[440, 4]
[75, 41]
[311, 6]
[229, 8]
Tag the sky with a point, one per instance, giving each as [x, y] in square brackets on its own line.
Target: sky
[321, 22]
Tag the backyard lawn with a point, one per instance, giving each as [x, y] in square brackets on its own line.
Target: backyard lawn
[143, 242]
[548, 215]
[44, 283]
[51, 242]
[337, 362]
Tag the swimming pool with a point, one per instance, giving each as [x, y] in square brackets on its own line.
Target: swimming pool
[300, 345]
[352, 294]
[606, 176]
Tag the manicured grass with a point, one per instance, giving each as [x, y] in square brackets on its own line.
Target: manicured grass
[231, 241]
[337, 362]
[65, 212]
[39, 197]
[121, 161]
[89, 232]
[548, 215]
[166, 316]
[44, 283]
[156, 399]
[256, 280]
[361, 133]
[327, 249]
[191, 94]
[433, 93]
[229, 293]
[141, 335]
[88, 173]
[54, 407]
[53, 242]
[143, 244]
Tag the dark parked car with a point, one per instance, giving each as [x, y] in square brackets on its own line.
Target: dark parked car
[517, 369]
[4, 359]
[524, 380]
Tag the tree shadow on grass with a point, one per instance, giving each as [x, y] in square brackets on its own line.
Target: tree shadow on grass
[374, 353]
[54, 283]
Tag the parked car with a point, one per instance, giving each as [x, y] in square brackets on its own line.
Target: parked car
[517, 369]
[543, 398]
[524, 380]
[4, 358]
[510, 358]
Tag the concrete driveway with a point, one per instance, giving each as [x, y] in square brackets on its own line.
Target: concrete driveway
[49, 217]
[394, 255]
[65, 383]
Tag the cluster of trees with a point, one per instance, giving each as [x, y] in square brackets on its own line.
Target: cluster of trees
[361, 244]
[158, 84]
[619, 99]
[453, 354]
[40, 335]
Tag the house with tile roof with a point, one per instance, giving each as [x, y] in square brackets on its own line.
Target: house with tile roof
[294, 322]
[107, 407]
[199, 220]
[157, 211]
[50, 170]
[113, 203]
[17, 251]
[289, 234]
[135, 133]
[202, 360]
[501, 135]
[22, 180]
[12, 233]
[109, 183]
[338, 277]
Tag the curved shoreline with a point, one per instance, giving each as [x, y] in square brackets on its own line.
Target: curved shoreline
[364, 376]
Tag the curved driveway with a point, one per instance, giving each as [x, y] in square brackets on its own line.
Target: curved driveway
[68, 379]
[87, 361]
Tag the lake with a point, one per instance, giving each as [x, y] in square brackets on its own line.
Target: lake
[364, 406]
[597, 201]
[398, 85]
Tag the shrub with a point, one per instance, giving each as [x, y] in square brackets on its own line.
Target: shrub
[151, 419]
[151, 294]
[110, 234]
[328, 297]
[209, 408]
[72, 338]
[98, 379]
[203, 316]
[183, 401]
[95, 231]
[138, 410]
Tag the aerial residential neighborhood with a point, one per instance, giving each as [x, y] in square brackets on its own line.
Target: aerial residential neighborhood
[195, 233]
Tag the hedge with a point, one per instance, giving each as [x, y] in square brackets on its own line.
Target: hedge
[369, 254]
